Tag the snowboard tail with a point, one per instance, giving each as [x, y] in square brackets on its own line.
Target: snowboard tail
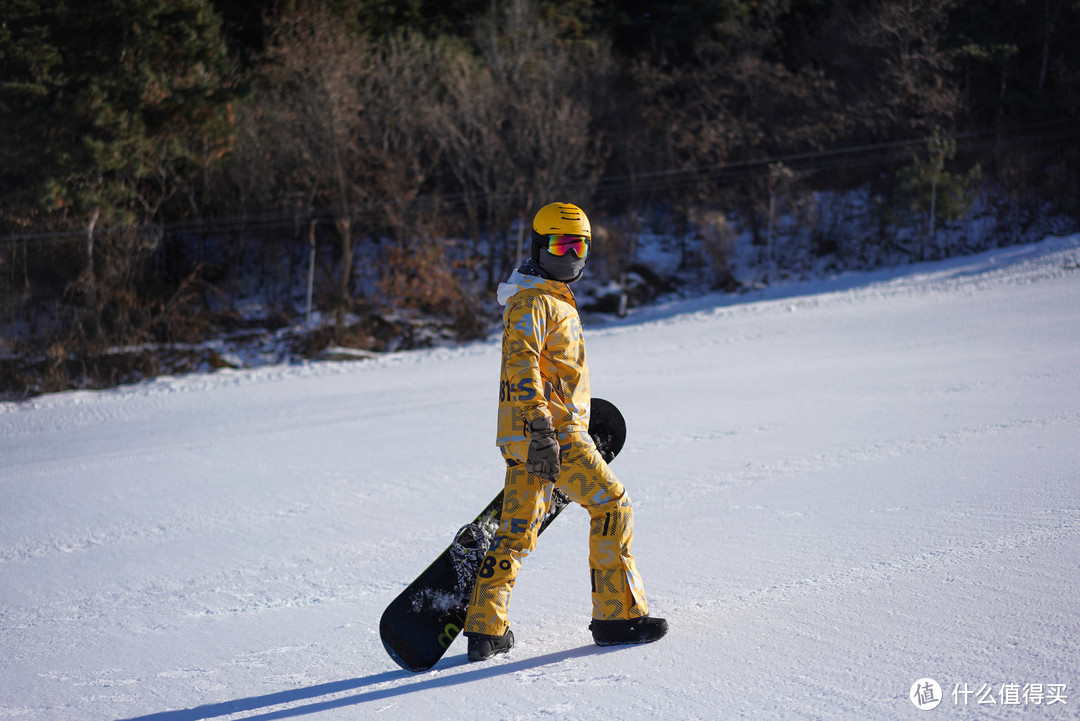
[420, 624]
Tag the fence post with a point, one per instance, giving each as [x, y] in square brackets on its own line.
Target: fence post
[311, 269]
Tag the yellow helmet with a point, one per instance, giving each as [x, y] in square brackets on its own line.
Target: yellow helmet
[562, 219]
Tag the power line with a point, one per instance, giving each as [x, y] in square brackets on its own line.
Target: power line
[849, 156]
[609, 186]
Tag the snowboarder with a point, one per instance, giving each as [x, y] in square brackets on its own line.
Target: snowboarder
[543, 435]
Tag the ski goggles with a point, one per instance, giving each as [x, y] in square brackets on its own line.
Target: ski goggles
[560, 245]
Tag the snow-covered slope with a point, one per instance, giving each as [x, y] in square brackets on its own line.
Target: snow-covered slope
[840, 488]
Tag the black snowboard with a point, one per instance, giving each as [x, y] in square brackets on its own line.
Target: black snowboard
[421, 623]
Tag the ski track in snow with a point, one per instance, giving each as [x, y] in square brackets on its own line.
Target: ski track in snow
[841, 487]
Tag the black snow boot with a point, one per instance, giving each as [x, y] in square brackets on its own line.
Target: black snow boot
[483, 646]
[635, 630]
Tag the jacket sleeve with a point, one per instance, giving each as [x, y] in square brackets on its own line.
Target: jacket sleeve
[526, 324]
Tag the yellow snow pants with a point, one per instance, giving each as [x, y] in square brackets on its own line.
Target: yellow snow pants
[617, 592]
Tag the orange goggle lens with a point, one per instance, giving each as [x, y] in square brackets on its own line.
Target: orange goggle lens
[562, 244]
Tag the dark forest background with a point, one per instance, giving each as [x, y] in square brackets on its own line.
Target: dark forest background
[166, 163]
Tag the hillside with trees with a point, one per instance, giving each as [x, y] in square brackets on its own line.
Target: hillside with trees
[359, 173]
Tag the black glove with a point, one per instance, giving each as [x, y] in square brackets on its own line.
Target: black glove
[543, 457]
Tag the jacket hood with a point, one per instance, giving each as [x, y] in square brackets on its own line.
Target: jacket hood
[527, 277]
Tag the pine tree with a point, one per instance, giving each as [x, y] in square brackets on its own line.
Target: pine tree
[107, 107]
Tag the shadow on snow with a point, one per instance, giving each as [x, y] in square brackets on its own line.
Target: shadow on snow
[312, 694]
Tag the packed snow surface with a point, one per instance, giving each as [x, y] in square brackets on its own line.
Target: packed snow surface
[841, 488]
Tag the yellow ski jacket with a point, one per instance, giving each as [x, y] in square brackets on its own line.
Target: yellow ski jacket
[544, 372]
